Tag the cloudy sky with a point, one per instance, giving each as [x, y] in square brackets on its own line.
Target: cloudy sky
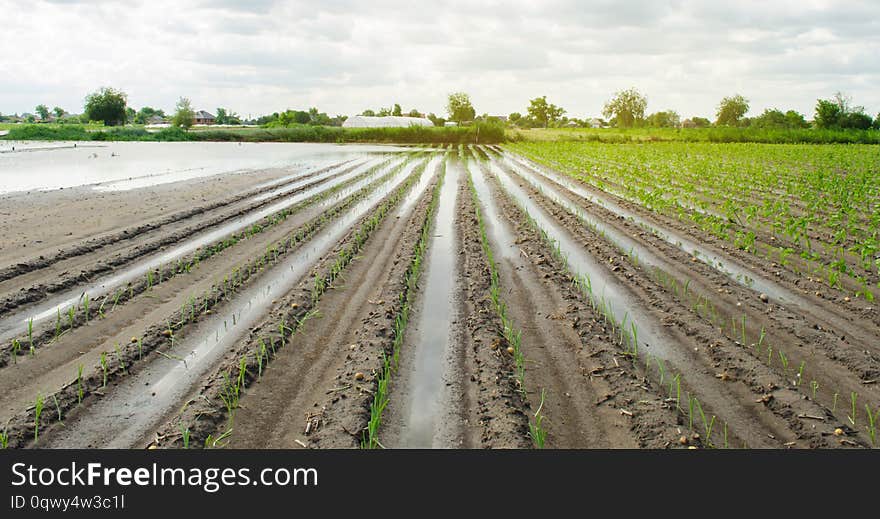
[343, 56]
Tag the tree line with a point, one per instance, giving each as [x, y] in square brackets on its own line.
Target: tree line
[626, 109]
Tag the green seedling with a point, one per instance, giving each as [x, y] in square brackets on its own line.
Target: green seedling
[71, 313]
[86, 306]
[104, 367]
[16, 348]
[4, 440]
[536, 429]
[30, 332]
[708, 425]
[800, 373]
[784, 359]
[184, 431]
[853, 398]
[38, 410]
[58, 408]
[872, 424]
[814, 386]
[119, 358]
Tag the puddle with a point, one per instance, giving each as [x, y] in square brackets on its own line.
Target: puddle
[431, 331]
[619, 302]
[16, 323]
[499, 232]
[413, 196]
[139, 402]
[738, 273]
[156, 163]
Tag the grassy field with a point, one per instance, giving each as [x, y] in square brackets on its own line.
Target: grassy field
[622, 135]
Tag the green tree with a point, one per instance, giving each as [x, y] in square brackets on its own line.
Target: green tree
[514, 117]
[627, 107]
[701, 122]
[459, 107]
[42, 111]
[184, 116]
[438, 121]
[317, 118]
[221, 117]
[397, 111]
[795, 119]
[368, 113]
[731, 109]
[130, 114]
[108, 105]
[144, 114]
[827, 115]
[667, 119]
[544, 113]
[414, 113]
[838, 112]
[58, 111]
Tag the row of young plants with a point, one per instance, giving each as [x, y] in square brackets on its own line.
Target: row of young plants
[112, 367]
[819, 215]
[266, 345]
[81, 313]
[512, 335]
[702, 306]
[626, 331]
[390, 364]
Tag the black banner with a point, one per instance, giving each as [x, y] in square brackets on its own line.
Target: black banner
[41, 482]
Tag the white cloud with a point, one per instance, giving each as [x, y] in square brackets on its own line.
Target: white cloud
[343, 56]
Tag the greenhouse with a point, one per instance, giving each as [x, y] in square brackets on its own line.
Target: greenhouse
[391, 121]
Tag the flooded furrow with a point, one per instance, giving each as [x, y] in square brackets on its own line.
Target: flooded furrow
[16, 323]
[634, 319]
[544, 179]
[430, 336]
[134, 408]
[414, 195]
[738, 273]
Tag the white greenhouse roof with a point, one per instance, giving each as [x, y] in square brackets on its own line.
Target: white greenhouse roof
[391, 121]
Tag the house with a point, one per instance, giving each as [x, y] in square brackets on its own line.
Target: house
[595, 123]
[203, 117]
[390, 121]
[157, 119]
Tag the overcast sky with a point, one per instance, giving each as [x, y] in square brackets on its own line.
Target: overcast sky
[261, 56]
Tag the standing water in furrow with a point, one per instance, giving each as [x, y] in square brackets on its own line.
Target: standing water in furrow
[16, 322]
[735, 271]
[633, 319]
[430, 335]
[134, 408]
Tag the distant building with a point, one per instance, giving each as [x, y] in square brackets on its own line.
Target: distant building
[157, 119]
[391, 121]
[450, 123]
[203, 117]
[595, 123]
